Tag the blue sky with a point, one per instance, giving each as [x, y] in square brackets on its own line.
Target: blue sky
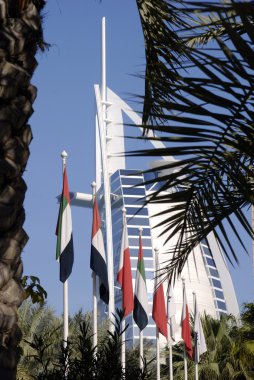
[64, 119]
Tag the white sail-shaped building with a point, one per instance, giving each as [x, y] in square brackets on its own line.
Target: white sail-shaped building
[206, 272]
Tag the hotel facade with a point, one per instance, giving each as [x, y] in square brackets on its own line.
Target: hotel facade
[206, 271]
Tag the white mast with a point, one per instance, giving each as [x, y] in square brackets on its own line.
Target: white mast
[64, 156]
[95, 301]
[101, 102]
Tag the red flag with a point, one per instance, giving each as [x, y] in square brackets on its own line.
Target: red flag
[186, 332]
[159, 309]
[124, 276]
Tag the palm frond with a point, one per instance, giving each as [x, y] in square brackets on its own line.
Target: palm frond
[200, 102]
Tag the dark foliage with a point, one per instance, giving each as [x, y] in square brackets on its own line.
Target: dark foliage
[199, 100]
[81, 361]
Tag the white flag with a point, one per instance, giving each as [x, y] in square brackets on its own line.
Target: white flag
[171, 313]
[200, 344]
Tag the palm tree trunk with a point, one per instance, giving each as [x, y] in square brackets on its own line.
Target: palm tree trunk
[20, 37]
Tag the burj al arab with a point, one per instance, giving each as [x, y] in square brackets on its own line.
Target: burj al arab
[206, 272]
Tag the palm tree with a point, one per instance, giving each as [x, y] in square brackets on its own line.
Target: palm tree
[41, 342]
[38, 322]
[229, 354]
[243, 350]
[199, 92]
[21, 35]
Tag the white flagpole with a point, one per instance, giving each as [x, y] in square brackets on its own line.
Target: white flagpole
[123, 321]
[64, 156]
[141, 350]
[158, 372]
[195, 338]
[196, 371]
[141, 342]
[184, 350]
[123, 346]
[95, 333]
[170, 316]
[108, 216]
[185, 364]
[170, 361]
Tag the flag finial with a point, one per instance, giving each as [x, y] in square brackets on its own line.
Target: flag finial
[124, 214]
[93, 186]
[64, 154]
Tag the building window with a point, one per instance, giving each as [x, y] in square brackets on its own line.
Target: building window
[132, 181]
[136, 211]
[133, 191]
[148, 263]
[146, 252]
[210, 262]
[149, 275]
[118, 216]
[216, 283]
[219, 294]
[206, 251]
[214, 272]
[134, 242]
[221, 305]
[130, 172]
[114, 176]
[116, 184]
[132, 221]
[117, 204]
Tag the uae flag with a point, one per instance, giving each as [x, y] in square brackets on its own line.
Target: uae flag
[186, 332]
[159, 309]
[199, 338]
[64, 246]
[98, 257]
[141, 312]
[124, 274]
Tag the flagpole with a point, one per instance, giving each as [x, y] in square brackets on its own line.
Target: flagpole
[171, 322]
[195, 338]
[196, 371]
[123, 348]
[108, 215]
[141, 350]
[185, 364]
[158, 372]
[170, 362]
[64, 156]
[184, 349]
[141, 343]
[95, 332]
